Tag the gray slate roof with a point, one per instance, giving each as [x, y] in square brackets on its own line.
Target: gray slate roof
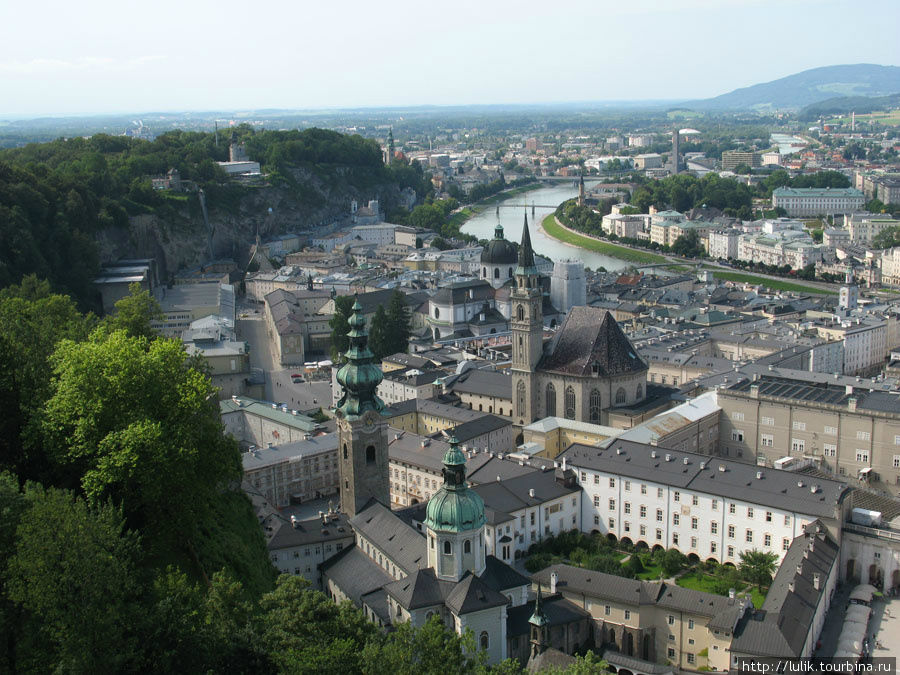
[484, 382]
[512, 494]
[355, 573]
[590, 338]
[559, 611]
[702, 473]
[303, 532]
[420, 589]
[471, 594]
[402, 543]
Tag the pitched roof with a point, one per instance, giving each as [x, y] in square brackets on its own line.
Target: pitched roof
[420, 589]
[403, 544]
[590, 338]
[500, 576]
[355, 573]
[558, 610]
[471, 594]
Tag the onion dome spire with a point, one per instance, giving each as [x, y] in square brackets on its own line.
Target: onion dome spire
[359, 377]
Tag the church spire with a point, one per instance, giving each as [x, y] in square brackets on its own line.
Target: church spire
[538, 622]
[359, 377]
[526, 253]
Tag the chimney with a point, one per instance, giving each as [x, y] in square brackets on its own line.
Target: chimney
[554, 577]
[851, 404]
[791, 587]
[848, 390]
[498, 479]
[817, 581]
[799, 568]
[759, 475]
[754, 391]
[294, 522]
[564, 464]
[531, 493]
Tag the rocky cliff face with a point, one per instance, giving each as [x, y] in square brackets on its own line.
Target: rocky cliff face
[180, 238]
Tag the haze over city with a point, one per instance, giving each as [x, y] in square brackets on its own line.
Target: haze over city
[95, 57]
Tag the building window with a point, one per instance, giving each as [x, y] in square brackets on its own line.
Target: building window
[694, 500]
[345, 451]
[643, 511]
[643, 489]
[712, 547]
[612, 523]
[693, 542]
[862, 456]
[570, 403]
[749, 512]
[596, 479]
[520, 397]
[550, 400]
[731, 531]
[767, 421]
[639, 392]
[675, 519]
[467, 546]
[797, 445]
[676, 496]
[693, 523]
[627, 507]
[831, 431]
[690, 658]
[713, 527]
[606, 610]
[896, 462]
[627, 614]
[671, 653]
[766, 440]
[659, 535]
[799, 426]
[596, 520]
[863, 436]
[749, 536]
[767, 539]
[737, 416]
[671, 620]
[659, 493]
[484, 640]
[768, 516]
[643, 530]
[612, 482]
[595, 403]
[620, 396]
[627, 526]
[448, 548]
[612, 504]
[690, 624]
[785, 544]
[731, 509]
[715, 504]
[597, 500]
[737, 436]
[731, 551]
[627, 486]
[659, 515]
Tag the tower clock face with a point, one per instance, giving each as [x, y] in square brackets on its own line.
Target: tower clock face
[369, 421]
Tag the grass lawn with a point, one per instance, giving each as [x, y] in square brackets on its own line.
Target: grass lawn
[704, 582]
[461, 216]
[775, 285]
[622, 253]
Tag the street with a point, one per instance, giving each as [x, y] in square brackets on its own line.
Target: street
[304, 396]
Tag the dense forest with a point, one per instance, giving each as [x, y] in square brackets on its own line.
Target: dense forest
[55, 198]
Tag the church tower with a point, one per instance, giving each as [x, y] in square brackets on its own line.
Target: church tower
[362, 429]
[580, 192]
[539, 626]
[527, 330]
[454, 522]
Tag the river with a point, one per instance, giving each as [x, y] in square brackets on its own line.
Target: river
[787, 144]
[482, 225]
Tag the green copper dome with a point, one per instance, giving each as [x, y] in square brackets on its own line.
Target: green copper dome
[359, 377]
[454, 508]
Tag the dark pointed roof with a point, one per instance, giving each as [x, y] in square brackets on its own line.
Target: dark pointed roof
[526, 253]
[589, 338]
[420, 589]
[471, 594]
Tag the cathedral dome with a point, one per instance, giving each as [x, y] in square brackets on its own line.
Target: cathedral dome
[454, 508]
[499, 251]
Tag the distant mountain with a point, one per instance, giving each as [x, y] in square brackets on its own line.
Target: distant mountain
[808, 87]
[843, 105]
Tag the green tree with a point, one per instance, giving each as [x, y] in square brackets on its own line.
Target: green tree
[589, 664]
[673, 562]
[305, 631]
[135, 311]
[688, 245]
[757, 567]
[379, 334]
[887, 238]
[398, 319]
[340, 326]
[134, 421]
[75, 573]
[432, 648]
[12, 506]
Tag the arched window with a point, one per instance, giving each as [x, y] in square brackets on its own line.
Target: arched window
[496, 272]
[345, 451]
[594, 404]
[639, 394]
[437, 313]
[570, 403]
[484, 640]
[620, 395]
[510, 272]
[520, 313]
[520, 397]
[399, 612]
[370, 454]
[551, 401]
[448, 548]
[467, 546]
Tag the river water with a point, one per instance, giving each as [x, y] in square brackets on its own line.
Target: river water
[545, 199]
[787, 144]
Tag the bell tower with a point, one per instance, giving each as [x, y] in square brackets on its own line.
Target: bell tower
[539, 626]
[362, 429]
[527, 330]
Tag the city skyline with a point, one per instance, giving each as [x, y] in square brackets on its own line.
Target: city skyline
[221, 57]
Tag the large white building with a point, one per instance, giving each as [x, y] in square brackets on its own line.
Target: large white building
[864, 227]
[786, 247]
[799, 202]
[709, 507]
[724, 243]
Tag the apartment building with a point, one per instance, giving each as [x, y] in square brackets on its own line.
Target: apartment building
[184, 304]
[846, 431]
[408, 383]
[296, 330]
[628, 226]
[786, 247]
[299, 546]
[864, 342]
[801, 202]
[653, 621]
[731, 159]
[864, 227]
[724, 243]
[294, 472]
[890, 266]
[708, 507]
[260, 423]
[475, 429]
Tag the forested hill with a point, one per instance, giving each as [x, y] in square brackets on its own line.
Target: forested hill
[810, 86]
[67, 205]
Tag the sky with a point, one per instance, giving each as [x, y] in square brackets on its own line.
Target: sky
[110, 56]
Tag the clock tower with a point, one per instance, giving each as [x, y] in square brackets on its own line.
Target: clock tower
[362, 429]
